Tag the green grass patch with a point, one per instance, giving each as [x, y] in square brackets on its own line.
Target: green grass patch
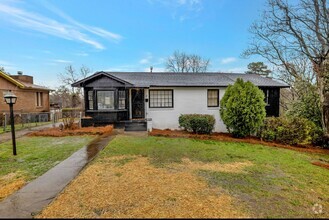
[280, 183]
[36, 155]
[23, 126]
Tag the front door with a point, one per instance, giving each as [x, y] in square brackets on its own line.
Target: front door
[137, 103]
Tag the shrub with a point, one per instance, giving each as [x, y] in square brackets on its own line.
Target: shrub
[184, 121]
[242, 108]
[294, 130]
[197, 123]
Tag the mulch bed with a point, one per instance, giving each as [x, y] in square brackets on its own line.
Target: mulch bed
[228, 137]
[57, 132]
[321, 164]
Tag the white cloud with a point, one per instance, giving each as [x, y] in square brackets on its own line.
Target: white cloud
[62, 61]
[144, 61]
[95, 30]
[181, 10]
[147, 59]
[228, 60]
[72, 30]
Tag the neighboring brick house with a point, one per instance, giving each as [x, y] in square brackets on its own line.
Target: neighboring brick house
[30, 97]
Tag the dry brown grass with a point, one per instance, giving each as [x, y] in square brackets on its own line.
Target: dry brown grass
[126, 187]
[10, 183]
[187, 164]
[57, 132]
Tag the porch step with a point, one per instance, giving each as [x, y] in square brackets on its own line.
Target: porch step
[136, 126]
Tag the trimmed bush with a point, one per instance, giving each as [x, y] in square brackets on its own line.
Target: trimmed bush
[292, 131]
[197, 123]
[242, 108]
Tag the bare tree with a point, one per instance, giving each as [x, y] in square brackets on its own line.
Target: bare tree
[289, 32]
[71, 76]
[182, 62]
[198, 64]
[61, 96]
[84, 71]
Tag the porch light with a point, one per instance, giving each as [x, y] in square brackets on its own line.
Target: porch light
[10, 99]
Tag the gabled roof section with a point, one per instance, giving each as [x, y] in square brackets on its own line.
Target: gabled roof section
[34, 86]
[208, 79]
[166, 79]
[81, 82]
[13, 81]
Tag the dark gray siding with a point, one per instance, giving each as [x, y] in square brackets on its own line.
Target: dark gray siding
[103, 82]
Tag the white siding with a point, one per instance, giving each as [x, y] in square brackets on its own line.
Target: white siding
[187, 100]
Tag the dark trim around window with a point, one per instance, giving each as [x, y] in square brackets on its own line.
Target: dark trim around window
[217, 98]
[172, 98]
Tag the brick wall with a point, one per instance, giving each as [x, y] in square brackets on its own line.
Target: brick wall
[26, 99]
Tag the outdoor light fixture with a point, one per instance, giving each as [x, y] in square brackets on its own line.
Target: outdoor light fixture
[10, 99]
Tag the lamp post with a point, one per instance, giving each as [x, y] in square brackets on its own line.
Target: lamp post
[10, 99]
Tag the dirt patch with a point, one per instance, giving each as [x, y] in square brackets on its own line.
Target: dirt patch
[324, 165]
[57, 132]
[229, 138]
[139, 190]
[10, 183]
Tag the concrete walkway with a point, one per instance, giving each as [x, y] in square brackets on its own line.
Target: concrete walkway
[32, 198]
[7, 136]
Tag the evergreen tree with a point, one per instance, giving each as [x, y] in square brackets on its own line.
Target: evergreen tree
[258, 68]
[242, 108]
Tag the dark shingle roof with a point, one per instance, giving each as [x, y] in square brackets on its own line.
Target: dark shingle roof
[147, 79]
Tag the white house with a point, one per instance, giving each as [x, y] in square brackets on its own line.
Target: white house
[135, 99]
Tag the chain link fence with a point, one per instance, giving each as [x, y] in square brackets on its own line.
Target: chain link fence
[27, 120]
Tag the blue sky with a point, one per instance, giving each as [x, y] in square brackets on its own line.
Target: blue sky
[42, 37]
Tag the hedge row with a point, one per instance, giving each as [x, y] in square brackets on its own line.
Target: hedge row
[292, 131]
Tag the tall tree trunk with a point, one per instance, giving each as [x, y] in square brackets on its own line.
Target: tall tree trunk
[322, 95]
[321, 72]
[325, 113]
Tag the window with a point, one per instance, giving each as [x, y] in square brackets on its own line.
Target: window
[122, 99]
[39, 99]
[90, 100]
[213, 97]
[105, 100]
[161, 98]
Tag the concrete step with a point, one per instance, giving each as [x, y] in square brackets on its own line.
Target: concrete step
[135, 126]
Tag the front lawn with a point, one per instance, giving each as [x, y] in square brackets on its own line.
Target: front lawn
[35, 155]
[180, 177]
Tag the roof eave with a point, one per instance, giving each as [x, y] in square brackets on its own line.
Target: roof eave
[7, 77]
[80, 82]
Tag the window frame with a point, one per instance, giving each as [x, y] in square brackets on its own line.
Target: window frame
[172, 98]
[119, 99]
[91, 100]
[212, 106]
[114, 99]
[39, 99]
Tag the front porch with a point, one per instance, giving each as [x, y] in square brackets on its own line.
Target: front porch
[122, 107]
